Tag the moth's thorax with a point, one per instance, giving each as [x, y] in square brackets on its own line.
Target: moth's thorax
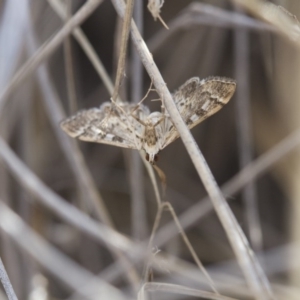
[150, 142]
[150, 137]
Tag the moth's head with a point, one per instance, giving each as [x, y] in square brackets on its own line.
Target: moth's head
[152, 158]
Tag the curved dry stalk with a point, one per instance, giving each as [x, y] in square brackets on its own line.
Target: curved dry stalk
[152, 177]
[53, 260]
[226, 274]
[182, 271]
[178, 290]
[190, 247]
[150, 243]
[69, 69]
[167, 205]
[47, 49]
[253, 273]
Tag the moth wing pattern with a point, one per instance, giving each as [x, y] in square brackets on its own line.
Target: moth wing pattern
[109, 124]
[196, 100]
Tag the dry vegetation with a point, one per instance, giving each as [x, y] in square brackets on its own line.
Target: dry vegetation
[91, 221]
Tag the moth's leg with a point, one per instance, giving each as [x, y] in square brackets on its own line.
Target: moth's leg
[138, 119]
[139, 103]
[160, 120]
[166, 116]
[148, 92]
[160, 130]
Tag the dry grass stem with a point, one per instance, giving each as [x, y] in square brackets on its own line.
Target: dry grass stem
[123, 48]
[179, 290]
[136, 170]
[168, 206]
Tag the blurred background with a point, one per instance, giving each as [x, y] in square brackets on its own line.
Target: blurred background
[111, 185]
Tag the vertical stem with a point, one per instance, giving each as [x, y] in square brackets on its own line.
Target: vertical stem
[244, 134]
[69, 64]
[123, 49]
[138, 200]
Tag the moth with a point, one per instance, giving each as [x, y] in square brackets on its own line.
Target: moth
[134, 126]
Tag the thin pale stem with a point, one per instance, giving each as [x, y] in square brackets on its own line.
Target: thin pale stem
[123, 48]
[180, 290]
[152, 179]
[190, 247]
[150, 244]
[136, 64]
[69, 69]
[167, 205]
[244, 133]
[136, 171]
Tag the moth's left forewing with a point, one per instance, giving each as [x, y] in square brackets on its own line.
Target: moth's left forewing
[212, 94]
[197, 100]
